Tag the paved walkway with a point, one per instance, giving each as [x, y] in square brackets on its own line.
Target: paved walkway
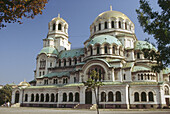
[29, 110]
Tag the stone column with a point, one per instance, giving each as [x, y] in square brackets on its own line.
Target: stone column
[82, 94]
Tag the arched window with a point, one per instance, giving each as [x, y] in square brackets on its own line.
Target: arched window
[75, 61]
[65, 28]
[70, 97]
[148, 76]
[120, 24]
[113, 50]
[100, 74]
[69, 61]
[143, 96]
[138, 55]
[98, 49]
[136, 96]
[103, 97]
[125, 25]
[52, 97]
[40, 73]
[112, 24]
[64, 62]
[32, 97]
[76, 97]
[138, 76]
[59, 63]
[105, 25]
[37, 97]
[151, 96]
[91, 50]
[110, 96]
[105, 49]
[17, 97]
[47, 98]
[55, 81]
[124, 77]
[99, 26]
[42, 97]
[166, 90]
[26, 97]
[94, 28]
[56, 97]
[54, 26]
[141, 76]
[64, 97]
[59, 26]
[118, 96]
[80, 59]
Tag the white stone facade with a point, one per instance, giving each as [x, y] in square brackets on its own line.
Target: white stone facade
[112, 50]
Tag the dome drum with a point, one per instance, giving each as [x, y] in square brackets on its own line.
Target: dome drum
[110, 21]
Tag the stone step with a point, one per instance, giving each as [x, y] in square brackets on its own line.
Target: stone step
[16, 105]
[83, 106]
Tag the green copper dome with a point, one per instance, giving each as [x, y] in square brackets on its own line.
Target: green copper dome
[139, 45]
[49, 50]
[104, 39]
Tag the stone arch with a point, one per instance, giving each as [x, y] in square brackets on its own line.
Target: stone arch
[77, 97]
[52, 97]
[42, 97]
[64, 97]
[143, 96]
[70, 97]
[26, 97]
[70, 61]
[47, 98]
[37, 97]
[136, 96]
[17, 95]
[56, 97]
[166, 90]
[98, 48]
[118, 96]
[110, 96]
[91, 63]
[151, 96]
[103, 97]
[59, 26]
[32, 97]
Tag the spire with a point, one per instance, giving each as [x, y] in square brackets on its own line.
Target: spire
[110, 7]
[58, 15]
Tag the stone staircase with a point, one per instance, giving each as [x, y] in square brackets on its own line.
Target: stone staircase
[16, 105]
[83, 106]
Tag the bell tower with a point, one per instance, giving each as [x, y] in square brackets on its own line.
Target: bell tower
[57, 36]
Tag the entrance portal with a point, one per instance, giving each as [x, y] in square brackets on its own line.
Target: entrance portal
[88, 97]
[167, 101]
[17, 97]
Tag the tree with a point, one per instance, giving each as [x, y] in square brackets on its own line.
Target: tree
[12, 11]
[156, 24]
[94, 83]
[5, 94]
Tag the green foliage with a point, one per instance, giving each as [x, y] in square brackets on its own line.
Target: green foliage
[5, 94]
[156, 24]
[14, 10]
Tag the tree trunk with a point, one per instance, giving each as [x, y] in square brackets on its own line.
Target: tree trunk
[96, 101]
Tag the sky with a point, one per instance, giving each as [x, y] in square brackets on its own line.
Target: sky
[21, 43]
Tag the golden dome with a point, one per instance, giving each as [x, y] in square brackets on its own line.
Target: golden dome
[111, 14]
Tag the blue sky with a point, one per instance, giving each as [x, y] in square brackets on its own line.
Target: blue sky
[20, 44]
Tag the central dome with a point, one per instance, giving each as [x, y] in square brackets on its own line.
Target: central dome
[111, 14]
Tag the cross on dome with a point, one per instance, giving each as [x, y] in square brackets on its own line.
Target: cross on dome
[58, 15]
[110, 7]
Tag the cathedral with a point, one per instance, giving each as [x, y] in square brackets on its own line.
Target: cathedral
[113, 51]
